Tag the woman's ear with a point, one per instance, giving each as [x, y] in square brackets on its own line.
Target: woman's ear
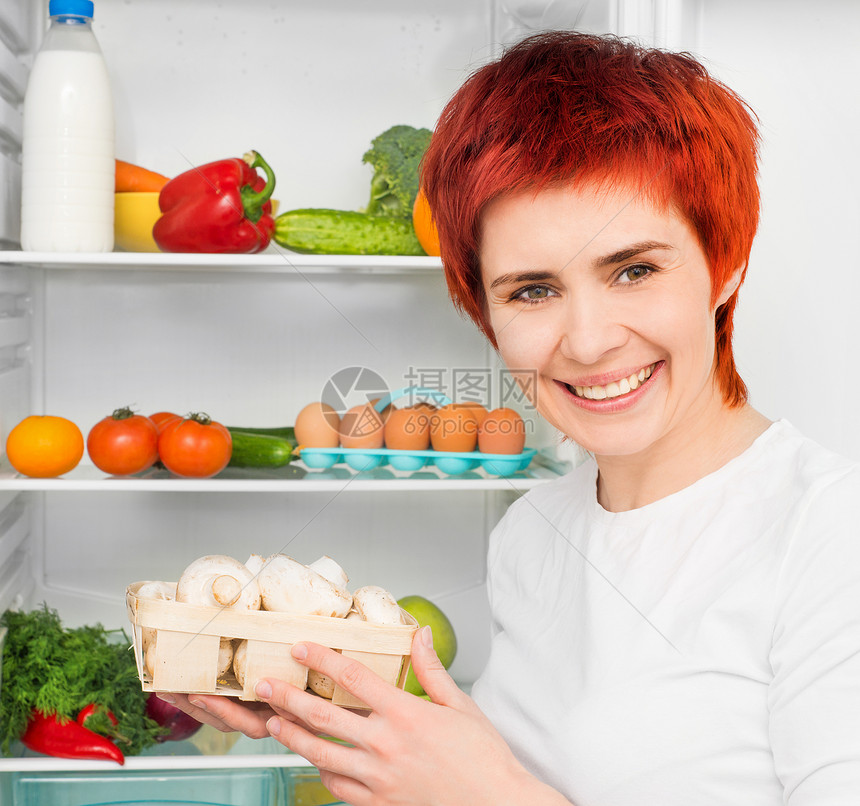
[731, 286]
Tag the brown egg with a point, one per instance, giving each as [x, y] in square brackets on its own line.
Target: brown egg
[408, 429]
[476, 408]
[361, 427]
[503, 431]
[453, 428]
[386, 411]
[317, 426]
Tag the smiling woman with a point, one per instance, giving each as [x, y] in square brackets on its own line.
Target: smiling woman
[674, 621]
[590, 290]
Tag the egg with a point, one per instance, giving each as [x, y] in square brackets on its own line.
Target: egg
[408, 429]
[503, 431]
[386, 411]
[317, 426]
[453, 428]
[362, 427]
[476, 408]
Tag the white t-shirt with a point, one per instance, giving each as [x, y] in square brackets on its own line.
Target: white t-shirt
[703, 650]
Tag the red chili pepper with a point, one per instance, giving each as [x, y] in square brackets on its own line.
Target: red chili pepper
[68, 739]
[220, 207]
[93, 708]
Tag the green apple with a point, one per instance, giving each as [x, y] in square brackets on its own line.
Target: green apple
[444, 638]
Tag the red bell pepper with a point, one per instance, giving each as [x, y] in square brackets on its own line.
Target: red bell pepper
[54, 736]
[220, 207]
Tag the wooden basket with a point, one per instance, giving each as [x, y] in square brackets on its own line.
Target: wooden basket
[187, 639]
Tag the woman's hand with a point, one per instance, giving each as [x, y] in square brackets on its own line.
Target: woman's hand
[224, 713]
[408, 750]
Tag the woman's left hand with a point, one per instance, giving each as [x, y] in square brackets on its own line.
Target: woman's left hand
[408, 750]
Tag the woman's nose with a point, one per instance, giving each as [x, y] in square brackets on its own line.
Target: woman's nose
[590, 327]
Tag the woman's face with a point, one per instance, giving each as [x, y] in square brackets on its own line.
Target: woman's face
[607, 299]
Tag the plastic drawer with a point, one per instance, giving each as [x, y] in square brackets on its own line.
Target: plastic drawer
[238, 787]
[304, 788]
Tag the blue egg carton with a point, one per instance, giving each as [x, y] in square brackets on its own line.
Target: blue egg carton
[452, 463]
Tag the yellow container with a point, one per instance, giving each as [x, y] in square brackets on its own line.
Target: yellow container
[135, 215]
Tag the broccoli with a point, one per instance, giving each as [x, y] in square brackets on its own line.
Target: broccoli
[395, 156]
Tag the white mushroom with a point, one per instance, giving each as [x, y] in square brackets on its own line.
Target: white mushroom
[255, 563]
[220, 581]
[376, 605]
[162, 591]
[225, 656]
[287, 586]
[320, 684]
[149, 657]
[240, 655]
[157, 590]
[326, 567]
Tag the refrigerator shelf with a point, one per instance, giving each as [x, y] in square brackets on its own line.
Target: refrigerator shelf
[295, 478]
[153, 762]
[272, 261]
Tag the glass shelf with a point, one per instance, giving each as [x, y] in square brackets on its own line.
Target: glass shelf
[273, 261]
[293, 478]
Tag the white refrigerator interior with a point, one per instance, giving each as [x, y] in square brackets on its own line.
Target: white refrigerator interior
[251, 340]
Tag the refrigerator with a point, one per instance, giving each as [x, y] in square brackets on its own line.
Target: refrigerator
[251, 339]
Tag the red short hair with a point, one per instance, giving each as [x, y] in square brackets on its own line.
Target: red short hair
[566, 107]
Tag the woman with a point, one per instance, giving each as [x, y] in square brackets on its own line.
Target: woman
[674, 622]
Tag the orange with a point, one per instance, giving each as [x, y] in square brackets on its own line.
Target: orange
[44, 446]
[425, 229]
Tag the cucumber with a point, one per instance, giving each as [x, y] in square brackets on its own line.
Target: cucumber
[286, 432]
[343, 232]
[259, 450]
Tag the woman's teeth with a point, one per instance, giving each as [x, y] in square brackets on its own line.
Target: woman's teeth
[614, 389]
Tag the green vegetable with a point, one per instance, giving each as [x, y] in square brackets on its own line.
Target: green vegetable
[260, 450]
[60, 671]
[344, 232]
[395, 156]
[286, 432]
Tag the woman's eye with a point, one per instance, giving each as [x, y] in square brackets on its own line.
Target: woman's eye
[534, 293]
[633, 274]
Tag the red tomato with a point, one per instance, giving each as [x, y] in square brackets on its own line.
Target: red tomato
[195, 446]
[123, 443]
[162, 418]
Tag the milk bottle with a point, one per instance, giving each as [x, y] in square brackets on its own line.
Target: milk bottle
[68, 145]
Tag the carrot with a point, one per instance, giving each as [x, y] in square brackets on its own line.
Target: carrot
[131, 178]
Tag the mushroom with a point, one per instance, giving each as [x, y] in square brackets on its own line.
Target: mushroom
[225, 656]
[157, 590]
[326, 567]
[220, 581]
[287, 586]
[240, 655]
[372, 604]
[317, 681]
[149, 658]
[376, 605]
[319, 684]
[162, 591]
[255, 563]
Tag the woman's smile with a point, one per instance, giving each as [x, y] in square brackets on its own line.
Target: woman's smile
[626, 383]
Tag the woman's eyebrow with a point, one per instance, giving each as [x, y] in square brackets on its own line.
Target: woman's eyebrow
[532, 276]
[630, 251]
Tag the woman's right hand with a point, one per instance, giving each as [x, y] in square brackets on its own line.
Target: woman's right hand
[225, 713]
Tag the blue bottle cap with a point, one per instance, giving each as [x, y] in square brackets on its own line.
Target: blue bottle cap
[71, 8]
